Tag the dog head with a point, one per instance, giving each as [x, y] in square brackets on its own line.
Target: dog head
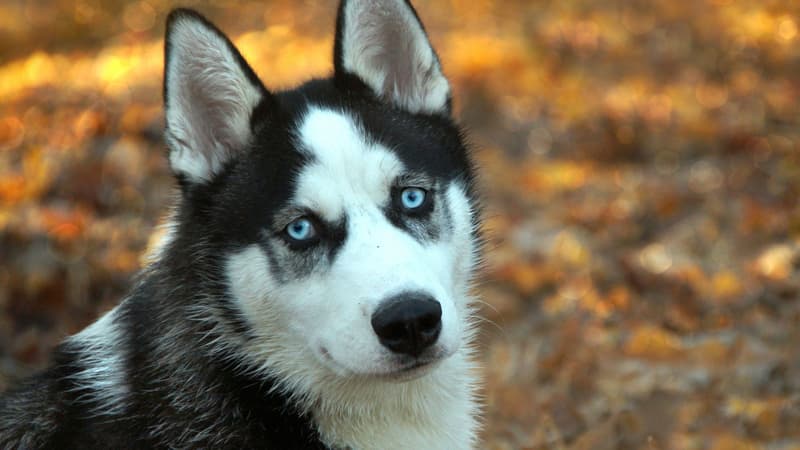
[339, 213]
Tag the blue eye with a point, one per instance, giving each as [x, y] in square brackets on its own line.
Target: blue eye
[301, 229]
[412, 198]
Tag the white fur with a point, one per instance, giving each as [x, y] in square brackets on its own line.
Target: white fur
[209, 100]
[315, 335]
[347, 167]
[464, 246]
[385, 45]
[103, 378]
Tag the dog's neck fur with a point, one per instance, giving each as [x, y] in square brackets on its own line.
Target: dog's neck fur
[434, 411]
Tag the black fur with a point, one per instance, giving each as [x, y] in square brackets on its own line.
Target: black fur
[235, 410]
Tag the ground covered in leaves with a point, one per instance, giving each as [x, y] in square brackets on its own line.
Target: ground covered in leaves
[641, 168]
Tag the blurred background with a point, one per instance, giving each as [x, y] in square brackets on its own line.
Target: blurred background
[640, 161]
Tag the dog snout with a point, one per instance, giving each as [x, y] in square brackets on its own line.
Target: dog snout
[408, 323]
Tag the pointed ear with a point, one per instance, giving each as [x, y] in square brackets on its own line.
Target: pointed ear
[209, 93]
[384, 44]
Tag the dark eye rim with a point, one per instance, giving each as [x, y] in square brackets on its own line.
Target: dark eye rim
[421, 210]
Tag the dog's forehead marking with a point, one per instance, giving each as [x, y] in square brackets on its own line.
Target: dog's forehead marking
[348, 170]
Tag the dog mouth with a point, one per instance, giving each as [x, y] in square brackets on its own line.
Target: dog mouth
[411, 371]
[415, 368]
[395, 368]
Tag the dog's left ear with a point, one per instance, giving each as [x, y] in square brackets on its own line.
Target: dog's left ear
[210, 93]
[383, 43]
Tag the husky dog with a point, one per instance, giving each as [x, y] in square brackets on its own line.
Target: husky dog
[313, 288]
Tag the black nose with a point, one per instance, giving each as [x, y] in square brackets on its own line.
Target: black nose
[408, 323]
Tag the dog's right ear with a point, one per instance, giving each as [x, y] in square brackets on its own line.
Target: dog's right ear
[383, 43]
[209, 94]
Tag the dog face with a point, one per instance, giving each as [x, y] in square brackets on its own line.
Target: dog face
[340, 212]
